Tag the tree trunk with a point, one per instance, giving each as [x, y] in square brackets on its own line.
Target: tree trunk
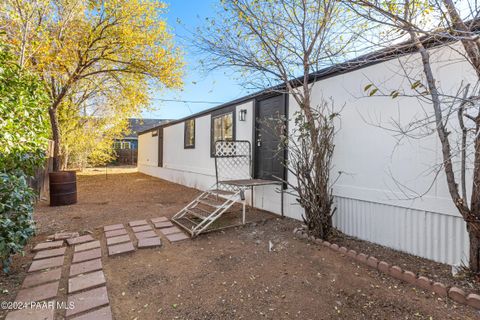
[469, 214]
[65, 158]
[56, 138]
[474, 248]
[469, 39]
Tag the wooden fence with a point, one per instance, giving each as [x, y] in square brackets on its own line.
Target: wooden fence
[40, 181]
[126, 156]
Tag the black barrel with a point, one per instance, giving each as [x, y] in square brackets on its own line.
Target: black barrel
[63, 188]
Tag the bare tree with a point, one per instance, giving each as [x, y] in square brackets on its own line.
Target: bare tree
[435, 22]
[313, 187]
[272, 43]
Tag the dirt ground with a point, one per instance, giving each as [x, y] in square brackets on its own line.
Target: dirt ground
[230, 274]
[423, 267]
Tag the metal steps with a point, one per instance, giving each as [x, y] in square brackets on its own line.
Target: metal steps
[220, 192]
[204, 210]
[215, 203]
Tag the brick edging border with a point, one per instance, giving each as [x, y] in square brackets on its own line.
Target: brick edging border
[425, 283]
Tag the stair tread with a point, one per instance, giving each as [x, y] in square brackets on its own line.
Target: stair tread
[202, 214]
[221, 192]
[212, 202]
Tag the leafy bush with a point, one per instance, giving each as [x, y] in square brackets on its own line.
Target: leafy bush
[16, 215]
[23, 117]
[23, 140]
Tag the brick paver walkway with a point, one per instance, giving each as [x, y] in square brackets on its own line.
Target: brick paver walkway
[163, 224]
[171, 232]
[174, 237]
[145, 234]
[120, 248]
[84, 267]
[80, 240]
[86, 281]
[137, 223]
[48, 245]
[115, 233]
[42, 277]
[149, 242]
[50, 253]
[117, 240]
[29, 314]
[141, 228]
[38, 293]
[87, 255]
[159, 219]
[43, 264]
[88, 300]
[113, 227]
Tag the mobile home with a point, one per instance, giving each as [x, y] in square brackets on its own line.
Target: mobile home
[373, 162]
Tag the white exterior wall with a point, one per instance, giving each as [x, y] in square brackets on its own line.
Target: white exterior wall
[370, 206]
[194, 167]
[147, 150]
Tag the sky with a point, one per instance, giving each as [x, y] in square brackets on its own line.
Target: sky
[216, 86]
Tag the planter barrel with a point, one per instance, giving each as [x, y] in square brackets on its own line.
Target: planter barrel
[63, 188]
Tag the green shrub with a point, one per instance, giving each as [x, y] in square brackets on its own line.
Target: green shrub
[23, 117]
[23, 141]
[16, 215]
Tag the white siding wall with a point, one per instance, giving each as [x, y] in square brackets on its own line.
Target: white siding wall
[196, 160]
[194, 167]
[370, 206]
[147, 150]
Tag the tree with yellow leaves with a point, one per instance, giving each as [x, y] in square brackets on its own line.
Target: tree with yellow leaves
[87, 135]
[88, 52]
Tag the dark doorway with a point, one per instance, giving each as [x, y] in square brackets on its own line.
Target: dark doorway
[268, 158]
[160, 147]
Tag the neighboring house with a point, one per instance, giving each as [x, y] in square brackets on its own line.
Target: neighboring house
[368, 204]
[126, 148]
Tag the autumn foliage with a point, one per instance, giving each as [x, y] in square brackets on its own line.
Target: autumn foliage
[98, 59]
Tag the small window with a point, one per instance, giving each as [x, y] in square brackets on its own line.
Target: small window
[189, 134]
[126, 145]
[117, 145]
[222, 129]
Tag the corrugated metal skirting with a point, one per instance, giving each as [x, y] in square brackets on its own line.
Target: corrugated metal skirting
[435, 236]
